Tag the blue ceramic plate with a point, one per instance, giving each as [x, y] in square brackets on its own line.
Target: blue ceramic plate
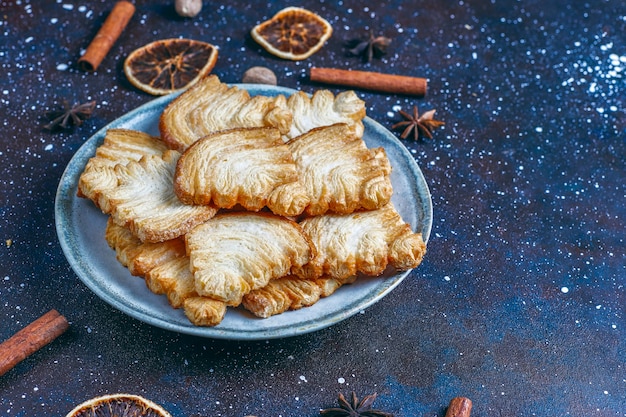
[80, 227]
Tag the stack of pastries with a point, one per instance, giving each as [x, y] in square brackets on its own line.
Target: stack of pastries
[269, 203]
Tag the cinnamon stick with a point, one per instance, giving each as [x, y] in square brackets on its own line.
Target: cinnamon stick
[30, 339]
[375, 81]
[459, 407]
[107, 35]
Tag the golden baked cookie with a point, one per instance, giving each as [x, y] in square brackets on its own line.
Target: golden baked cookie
[329, 285]
[339, 173]
[249, 167]
[323, 108]
[165, 268]
[280, 295]
[140, 257]
[235, 253]
[211, 106]
[204, 311]
[145, 202]
[362, 242]
[120, 146]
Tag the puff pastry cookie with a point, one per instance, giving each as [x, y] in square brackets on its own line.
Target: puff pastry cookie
[280, 295]
[145, 202]
[210, 106]
[362, 242]
[137, 256]
[173, 279]
[204, 311]
[325, 109]
[329, 285]
[251, 167]
[291, 293]
[235, 253]
[120, 146]
[165, 268]
[338, 171]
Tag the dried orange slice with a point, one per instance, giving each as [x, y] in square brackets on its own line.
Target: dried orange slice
[118, 405]
[169, 65]
[293, 33]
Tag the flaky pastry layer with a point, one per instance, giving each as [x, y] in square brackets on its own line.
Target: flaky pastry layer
[250, 167]
[210, 106]
[361, 242]
[339, 173]
[235, 253]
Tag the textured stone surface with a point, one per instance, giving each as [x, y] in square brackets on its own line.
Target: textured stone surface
[519, 304]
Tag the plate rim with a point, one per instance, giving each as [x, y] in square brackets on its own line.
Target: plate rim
[66, 195]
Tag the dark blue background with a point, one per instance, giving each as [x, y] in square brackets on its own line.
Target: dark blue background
[519, 304]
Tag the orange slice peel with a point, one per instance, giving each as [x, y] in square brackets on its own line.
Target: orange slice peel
[293, 33]
[118, 405]
[169, 65]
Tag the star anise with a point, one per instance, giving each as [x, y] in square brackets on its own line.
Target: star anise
[355, 408]
[69, 115]
[373, 47]
[418, 125]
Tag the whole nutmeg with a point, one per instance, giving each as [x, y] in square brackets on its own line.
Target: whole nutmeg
[259, 75]
[188, 8]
